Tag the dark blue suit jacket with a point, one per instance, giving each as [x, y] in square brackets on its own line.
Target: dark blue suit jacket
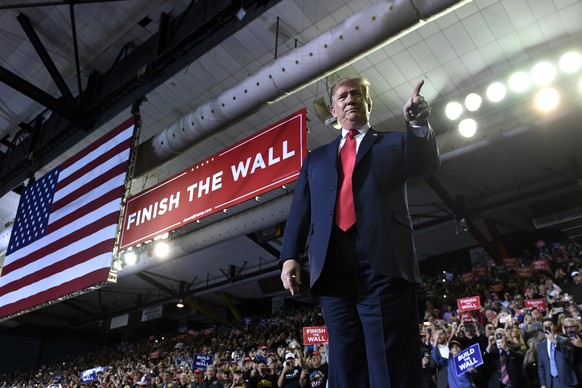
[564, 363]
[384, 162]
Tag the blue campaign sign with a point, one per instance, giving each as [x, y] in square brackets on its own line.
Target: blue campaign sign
[90, 375]
[201, 361]
[468, 358]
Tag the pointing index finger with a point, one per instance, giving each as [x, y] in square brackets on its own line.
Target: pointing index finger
[416, 91]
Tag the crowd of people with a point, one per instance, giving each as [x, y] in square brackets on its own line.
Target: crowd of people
[267, 351]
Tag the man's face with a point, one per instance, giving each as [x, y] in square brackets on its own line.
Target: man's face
[570, 329]
[548, 327]
[263, 369]
[577, 279]
[351, 105]
[316, 361]
[210, 372]
[489, 329]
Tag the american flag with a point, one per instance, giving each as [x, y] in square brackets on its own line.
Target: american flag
[64, 232]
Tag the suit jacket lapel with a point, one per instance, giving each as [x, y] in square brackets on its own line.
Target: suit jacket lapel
[369, 139]
[332, 151]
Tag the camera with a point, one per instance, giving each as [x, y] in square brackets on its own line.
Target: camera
[498, 336]
[287, 363]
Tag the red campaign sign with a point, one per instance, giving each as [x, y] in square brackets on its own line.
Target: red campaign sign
[510, 262]
[315, 335]
[539, 265]
[258, 164]
[469, 303]
[525, 272]
[539, 304]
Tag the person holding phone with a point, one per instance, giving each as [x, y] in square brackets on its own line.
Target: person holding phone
[503, 362]
[291, 373]
[571, 328]
[555, 359]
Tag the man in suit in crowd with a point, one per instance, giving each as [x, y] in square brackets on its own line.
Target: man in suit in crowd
[555, 359]
[359, 236]
[503, 362]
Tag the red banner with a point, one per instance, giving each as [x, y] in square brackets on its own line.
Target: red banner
[469, 303]
[539, 304]
[260, 163]
[315, 335]
[539, 265]
[525, 272]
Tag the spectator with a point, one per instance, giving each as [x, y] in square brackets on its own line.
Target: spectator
[316, 373]
[571, 329]
[462, 381]
[530, 366]
[262, 377]
[576, 289]
[210, 381]
[503, 361]
[555, 356]
[440, 346]
[291, 373]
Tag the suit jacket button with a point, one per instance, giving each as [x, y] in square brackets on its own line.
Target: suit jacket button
[333, 188]
[330, 213]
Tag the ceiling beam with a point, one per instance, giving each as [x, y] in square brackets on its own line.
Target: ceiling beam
[46, 59]
[205, 25]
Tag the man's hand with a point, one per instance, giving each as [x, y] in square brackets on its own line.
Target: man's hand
[416, 109]
[291, 276]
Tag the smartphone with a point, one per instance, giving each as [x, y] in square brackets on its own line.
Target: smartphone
[558, 310]
[498, 336]
[572, 335]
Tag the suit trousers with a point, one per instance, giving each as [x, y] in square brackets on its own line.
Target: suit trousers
[372, 320]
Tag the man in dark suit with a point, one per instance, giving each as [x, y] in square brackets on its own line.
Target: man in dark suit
[555, 359]
[359, 236]
[503, 362]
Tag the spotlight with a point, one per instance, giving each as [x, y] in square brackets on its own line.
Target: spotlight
[180, 304]
[547, 99]
[468, 127]
[130, 258]
[543, 73]
[570, 62]
[519, 82]
[453, 110]
[496, 92]
[473, 102]
[161, 249]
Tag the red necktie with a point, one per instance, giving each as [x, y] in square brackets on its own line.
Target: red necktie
[345, 215]
[504, 373]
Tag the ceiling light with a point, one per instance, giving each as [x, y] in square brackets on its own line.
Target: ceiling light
[162, 249]
[130, 258]
[473, 102]
[496, 92]
[547, 99]
[570, 62]
[453, 110]
[468, 127]
[543, 73]
[519, 82]
[180, 304]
